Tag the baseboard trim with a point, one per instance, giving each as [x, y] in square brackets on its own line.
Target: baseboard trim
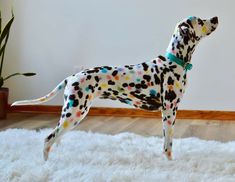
[126, 112]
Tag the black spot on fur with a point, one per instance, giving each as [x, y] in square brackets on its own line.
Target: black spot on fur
[91, 88]
[68, 115]
[131, 84]
[85, 104]
[200, 22]
[94, 70]
[138, 86]
[105, 95]
[75, 103]
[145, 66]
[76, 88]
[115, 92]
[97, 79]
[190, 24]
[170, 95]
[162, 58]
[124, 84]
[144, 86]
[108, 67]
[177, 76]
[147, 77]
[75, 84]
[72, 97]
[110, 82]
[80, 94]
[157, 80]
[170, 81]
[115, 73]
[88, 77]
[50, 136]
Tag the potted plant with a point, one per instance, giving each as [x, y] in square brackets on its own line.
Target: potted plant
[4, 35]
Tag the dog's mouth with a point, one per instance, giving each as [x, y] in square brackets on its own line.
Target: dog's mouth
[209, 26]
[214, 22]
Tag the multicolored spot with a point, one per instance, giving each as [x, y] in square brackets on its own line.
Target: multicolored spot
[128, 102]
[116, 77]
[65, 124]
[60, 87]
[139, 73]
[177, 84]
[132, 72]
[120, 89]
[87, 89]
[108, 77]
[120, 69]
[204, 29]
[71, 103]
[153, 92]
[127, 78]
[78, 114]
[82, 80]
[104, 85]
[104, 70]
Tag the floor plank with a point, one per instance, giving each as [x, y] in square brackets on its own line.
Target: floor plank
[209, 130]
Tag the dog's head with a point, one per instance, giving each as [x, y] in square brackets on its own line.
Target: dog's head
[195, 28]
[188, 33]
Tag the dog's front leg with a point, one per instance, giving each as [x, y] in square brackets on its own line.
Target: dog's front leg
[168, 119]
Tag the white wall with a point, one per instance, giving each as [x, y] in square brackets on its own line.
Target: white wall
[51, 37]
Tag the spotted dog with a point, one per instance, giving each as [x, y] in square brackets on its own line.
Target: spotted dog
[158, 84]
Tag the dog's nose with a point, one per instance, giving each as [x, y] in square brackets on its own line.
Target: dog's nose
[214, 20]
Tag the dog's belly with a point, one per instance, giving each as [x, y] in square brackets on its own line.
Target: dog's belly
[146, 103]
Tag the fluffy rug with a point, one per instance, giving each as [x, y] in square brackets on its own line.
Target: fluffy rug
[125, 157]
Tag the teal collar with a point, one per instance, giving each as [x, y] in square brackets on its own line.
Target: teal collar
[173, 58]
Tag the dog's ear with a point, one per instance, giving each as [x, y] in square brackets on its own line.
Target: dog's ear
[184, 30]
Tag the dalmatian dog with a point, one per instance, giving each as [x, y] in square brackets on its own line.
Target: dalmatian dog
[158, 84]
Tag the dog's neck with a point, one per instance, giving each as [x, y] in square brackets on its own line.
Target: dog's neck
[181, 47]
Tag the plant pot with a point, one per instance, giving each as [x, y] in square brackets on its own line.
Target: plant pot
[4, 92]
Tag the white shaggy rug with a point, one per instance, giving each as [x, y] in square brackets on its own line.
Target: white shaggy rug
[125, 157]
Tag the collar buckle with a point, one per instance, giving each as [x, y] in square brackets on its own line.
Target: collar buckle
[187, 66]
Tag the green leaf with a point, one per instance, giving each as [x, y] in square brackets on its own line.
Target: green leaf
[2, 55]
[12, 12]
[0, 22]
[28, 74]
[2, 49]
[6, 30]
[16, 74]
[1, 82]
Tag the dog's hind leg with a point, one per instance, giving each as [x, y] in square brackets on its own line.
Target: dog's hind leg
[66, 123]
[168, 119]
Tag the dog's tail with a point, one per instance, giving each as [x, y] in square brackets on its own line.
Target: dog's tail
[45, 98]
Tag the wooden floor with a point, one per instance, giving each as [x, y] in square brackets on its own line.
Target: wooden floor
[210, 130]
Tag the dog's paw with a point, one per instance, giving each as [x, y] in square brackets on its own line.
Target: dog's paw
[46, 153]
[168, 155]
